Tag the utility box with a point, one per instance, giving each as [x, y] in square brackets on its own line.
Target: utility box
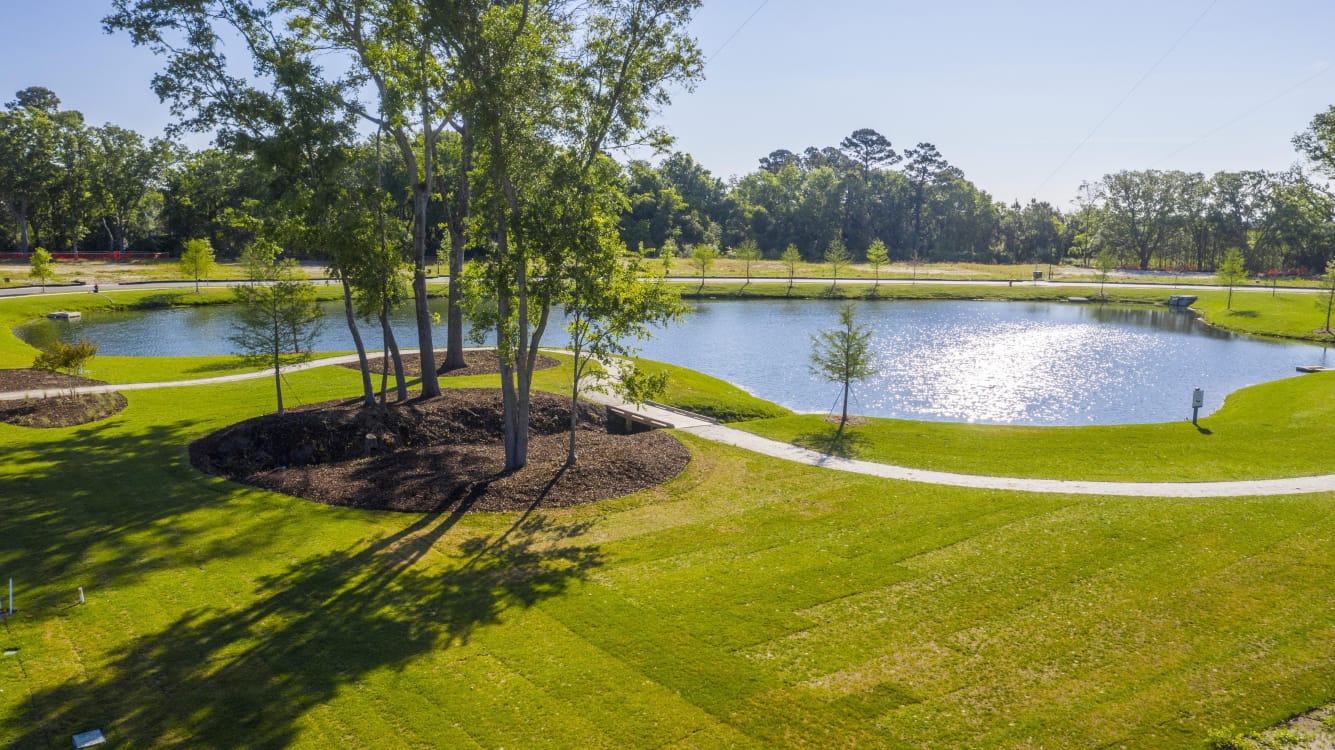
[1038, 275]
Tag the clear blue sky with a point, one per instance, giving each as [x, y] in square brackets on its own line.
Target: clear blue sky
[1006, 90]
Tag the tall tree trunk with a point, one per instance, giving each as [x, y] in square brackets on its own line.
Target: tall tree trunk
[277, 371]
[22, 215]
[430, 383]
[391, 343]
[843, 418]
[454, 321]
[576, 346]
[368, 390]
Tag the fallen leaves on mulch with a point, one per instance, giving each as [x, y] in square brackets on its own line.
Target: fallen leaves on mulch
[436, 455]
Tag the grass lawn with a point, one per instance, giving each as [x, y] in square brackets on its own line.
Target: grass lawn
[748, 603]
[122, 272]
[1273, 430]
[703, 394]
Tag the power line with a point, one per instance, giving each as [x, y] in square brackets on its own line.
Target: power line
[728, 41]
[1252, 111]
[1126, 96]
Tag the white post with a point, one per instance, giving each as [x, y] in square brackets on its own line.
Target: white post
[81, 594]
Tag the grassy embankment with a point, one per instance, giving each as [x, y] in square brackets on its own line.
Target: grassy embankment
[748, 603]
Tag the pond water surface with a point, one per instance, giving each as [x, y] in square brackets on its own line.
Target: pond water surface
[995, 362]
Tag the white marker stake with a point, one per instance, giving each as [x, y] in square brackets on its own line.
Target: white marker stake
[81, 594]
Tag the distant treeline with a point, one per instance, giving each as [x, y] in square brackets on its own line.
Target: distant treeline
[67, 186]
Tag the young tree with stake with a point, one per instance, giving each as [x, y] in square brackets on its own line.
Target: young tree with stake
[1231, 272]
[843, 355]
[877, 255]
[836, 254]
[703, 256]
[791, 257]
[276, 309]
[748, 252]
[196, 260]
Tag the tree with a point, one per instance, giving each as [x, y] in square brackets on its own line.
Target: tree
[1232, 271]
[791, 257]
[836, 254]
[67, 358]
[196, 260]
[1318, 141]
[41, 267]
[870, 149]
[1330, 284]
[38, 98]
[550, 90]
[126, 171]
[277, 315]
[1141, 210]
[611, 304]
[1106, 263]
[28, 143]
[877, 255]
[703, 256]
[843, 355]
[748, 252]
[385, 49]
[924, 166]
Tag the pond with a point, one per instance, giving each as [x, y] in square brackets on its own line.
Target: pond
[991, 362]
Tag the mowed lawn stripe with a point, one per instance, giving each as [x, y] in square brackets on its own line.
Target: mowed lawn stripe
[629, 707]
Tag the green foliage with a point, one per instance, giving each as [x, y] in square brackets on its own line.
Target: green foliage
[703, 256]
[791, 257]
[67, 358]
[1330, 285]
[748, 252]
[837, 255]
[197, 260]
[41, 267]
[639, 385]
[843, 355]
[1106, 263]
[279, 313]
[1231, 272]
[878, 255]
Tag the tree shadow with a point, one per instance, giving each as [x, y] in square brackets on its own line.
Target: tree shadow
[116, 491]
[244, 676]
[844, 444]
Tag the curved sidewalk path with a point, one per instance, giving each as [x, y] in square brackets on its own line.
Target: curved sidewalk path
[747, 441]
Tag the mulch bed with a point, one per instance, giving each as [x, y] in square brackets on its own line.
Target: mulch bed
[483, 362]
[436, 455]
[57, 411]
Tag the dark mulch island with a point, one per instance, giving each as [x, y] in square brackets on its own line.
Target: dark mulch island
[56, 411]
[436, 455]
[482, 362]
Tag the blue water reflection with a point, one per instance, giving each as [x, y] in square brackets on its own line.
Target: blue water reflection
[995, 362]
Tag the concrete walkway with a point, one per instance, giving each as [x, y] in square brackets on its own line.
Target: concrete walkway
[718, 433]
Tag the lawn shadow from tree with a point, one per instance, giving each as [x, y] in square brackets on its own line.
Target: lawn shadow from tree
[245, 676]
[846, 443]
[118, 492]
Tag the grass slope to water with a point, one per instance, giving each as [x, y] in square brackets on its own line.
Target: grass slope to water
[1273, 430]
[748, 603]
